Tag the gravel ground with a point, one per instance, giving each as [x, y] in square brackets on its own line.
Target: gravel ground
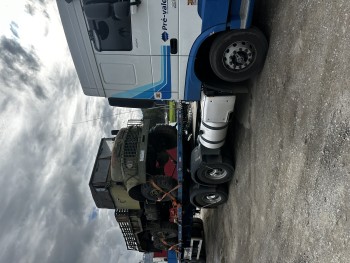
[290, 198]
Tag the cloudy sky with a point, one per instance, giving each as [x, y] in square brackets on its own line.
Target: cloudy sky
[49, 134]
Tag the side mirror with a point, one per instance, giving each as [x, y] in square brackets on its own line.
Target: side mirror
[121, 10]
[97, 11]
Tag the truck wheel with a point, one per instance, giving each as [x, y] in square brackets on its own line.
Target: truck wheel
[238, 55]
[215, 173]
[153, 158]
[164, 182]
[166, 231]
[162, 158]
[211, 198]
[163, 137]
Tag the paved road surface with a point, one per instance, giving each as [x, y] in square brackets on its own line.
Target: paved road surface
[290, 198]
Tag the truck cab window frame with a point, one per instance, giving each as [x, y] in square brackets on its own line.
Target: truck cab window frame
[109, 24]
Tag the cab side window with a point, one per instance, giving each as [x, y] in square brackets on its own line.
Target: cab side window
[109, 23]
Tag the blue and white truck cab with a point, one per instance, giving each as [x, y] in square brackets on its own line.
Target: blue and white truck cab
[138, 52]
[161, 49]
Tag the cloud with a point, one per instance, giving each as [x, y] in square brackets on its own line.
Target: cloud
[20, 67]
[13, 53]
[46, 204]
[34, 6]
[47, 213]
[29, 9]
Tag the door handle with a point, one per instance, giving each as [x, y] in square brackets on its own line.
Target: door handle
[173, 46]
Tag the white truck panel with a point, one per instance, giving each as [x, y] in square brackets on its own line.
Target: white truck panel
[189, 30]
[189, 27]
[80, 47]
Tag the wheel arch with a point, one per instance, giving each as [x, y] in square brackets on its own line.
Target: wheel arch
[202, 67]
[192, 82]
[199, 71]
[135, 193]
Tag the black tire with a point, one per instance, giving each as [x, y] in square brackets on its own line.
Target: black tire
[215, 173]
[135, 193]
[163, 137]
[211, 198]
[162, 158]
[166, 231]
[238, 55]
[153, 158]
[165, 182]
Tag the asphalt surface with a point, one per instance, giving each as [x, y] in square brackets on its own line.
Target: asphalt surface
[290, 198]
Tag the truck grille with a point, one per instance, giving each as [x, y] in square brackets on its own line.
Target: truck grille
[130, 142]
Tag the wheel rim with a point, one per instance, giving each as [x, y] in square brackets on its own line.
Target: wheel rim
[239, 55]
[216, 173]
[212, 198]
[165, 183]
[154, 193]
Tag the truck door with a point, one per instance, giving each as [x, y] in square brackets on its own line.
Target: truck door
[121, 47]
[164, 35]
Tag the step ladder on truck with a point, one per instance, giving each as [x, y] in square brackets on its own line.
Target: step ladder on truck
[138, 53]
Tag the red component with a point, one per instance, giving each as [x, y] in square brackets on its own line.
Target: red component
[170, 168]
[162, 254]
[173, 215]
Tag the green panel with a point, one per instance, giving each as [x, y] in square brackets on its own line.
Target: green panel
[121, 198]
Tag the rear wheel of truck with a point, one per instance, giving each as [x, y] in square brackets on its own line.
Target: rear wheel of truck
[238, 55]
[156, 161]
[163, 137]
[166, 231]
[215, 173]
[211, 198]
[166, 183]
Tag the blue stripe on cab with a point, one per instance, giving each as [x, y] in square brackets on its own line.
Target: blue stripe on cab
[163, 85]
